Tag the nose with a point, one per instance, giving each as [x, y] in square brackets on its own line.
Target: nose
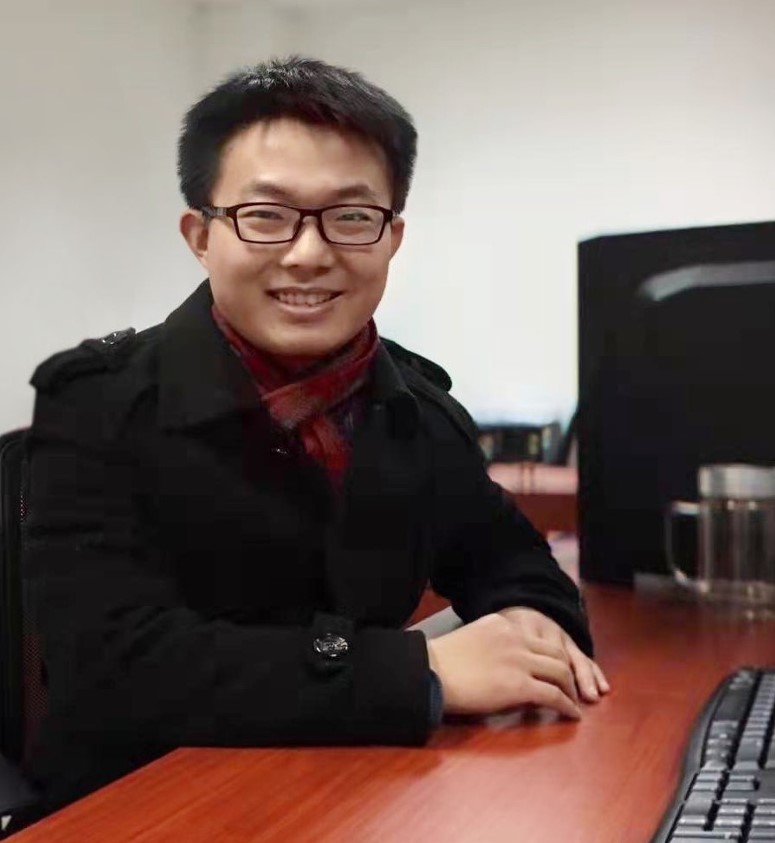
[309, 249]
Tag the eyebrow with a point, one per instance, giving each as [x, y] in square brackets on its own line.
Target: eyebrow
[349, 192]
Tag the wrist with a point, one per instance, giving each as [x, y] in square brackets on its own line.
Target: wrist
[433, 661]
[436, 700]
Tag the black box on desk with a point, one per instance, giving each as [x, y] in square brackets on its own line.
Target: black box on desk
[676, 343]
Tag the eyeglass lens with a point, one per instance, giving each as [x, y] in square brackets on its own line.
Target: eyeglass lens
[351, 225]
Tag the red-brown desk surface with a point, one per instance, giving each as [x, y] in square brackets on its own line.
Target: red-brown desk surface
[603, 780]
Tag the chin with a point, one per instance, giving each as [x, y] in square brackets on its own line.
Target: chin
[302, 351]
[311, 347]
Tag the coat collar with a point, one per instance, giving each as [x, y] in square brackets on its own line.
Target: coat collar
[201, 379]
[388, 388]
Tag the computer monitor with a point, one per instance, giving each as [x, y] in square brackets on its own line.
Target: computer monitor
[676, 370]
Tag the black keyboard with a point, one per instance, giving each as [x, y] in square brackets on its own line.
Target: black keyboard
[727, 787]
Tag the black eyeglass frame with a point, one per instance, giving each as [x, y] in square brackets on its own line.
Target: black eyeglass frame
[231, 211]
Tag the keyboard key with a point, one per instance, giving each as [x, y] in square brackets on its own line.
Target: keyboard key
[733, 705]
[743, 785]
[714, 778]
[720, 731]
[691, 824]
[727, 811]
[729, 822]
[749, 750]
[713, 764]
[746, 767]
[697, 823]
[698, 805]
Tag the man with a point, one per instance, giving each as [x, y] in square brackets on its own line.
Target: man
[233, 514]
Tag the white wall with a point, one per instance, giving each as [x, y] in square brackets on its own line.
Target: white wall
[93, 91]
[232, 33]
[550, 122]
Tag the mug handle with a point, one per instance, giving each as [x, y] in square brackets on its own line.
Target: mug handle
[679, 509]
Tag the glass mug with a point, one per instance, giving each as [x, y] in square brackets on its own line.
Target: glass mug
[736, 537]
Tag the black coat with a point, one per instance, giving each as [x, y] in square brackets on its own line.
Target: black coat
[188, 566]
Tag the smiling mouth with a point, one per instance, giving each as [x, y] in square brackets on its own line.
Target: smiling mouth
[297, 298]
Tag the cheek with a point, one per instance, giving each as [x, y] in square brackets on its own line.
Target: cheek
[232, 262]
[368, 272]
[367, 287]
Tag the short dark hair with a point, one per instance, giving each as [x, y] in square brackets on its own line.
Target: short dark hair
[308, 90]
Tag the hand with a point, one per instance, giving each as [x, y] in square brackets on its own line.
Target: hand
[494, 664]
[588, 676]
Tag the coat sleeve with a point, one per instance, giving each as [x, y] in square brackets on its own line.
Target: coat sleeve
[491, 557]
[130, 664]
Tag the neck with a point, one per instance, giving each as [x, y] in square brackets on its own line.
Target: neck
[296, 364]
[295, 367]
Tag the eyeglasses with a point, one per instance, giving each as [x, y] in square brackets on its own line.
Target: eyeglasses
[270, 222]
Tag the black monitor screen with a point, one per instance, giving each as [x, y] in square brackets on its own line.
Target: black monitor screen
[676, 362]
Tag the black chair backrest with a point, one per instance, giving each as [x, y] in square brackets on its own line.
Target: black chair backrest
[11, 623]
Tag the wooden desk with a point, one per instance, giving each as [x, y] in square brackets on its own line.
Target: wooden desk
[547, 494]
[516, 778]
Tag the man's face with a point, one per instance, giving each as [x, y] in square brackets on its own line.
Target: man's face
[267, 292]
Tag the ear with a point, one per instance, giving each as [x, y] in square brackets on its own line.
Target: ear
[195, 231]
[396, 235]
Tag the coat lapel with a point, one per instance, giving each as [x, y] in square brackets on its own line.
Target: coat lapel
[200, 377]
[377, 560]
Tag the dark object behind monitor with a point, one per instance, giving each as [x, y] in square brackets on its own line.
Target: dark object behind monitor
[520, 442]
[676, 353]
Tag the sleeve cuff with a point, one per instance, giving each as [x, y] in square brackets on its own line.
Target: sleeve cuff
[436, 708]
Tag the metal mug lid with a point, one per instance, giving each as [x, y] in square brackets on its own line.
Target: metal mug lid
[736, 480]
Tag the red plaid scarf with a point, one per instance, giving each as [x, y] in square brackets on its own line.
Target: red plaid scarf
[305, 405]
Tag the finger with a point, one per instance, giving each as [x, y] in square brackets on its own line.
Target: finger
[550, 696]
[555, 672]
[584, 674]
[602, 683]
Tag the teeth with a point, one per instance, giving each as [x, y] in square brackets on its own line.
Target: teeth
[303, 299]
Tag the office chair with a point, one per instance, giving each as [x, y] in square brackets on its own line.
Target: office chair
[20, 679]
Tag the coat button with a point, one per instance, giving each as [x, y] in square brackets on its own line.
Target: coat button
[331, 646]
[117, 336]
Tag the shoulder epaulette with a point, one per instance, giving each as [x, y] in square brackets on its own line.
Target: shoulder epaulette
[429, 379]
[427, 368]
[90, 357]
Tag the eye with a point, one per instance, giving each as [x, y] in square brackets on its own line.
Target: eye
[354, 215]
[261, 214]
